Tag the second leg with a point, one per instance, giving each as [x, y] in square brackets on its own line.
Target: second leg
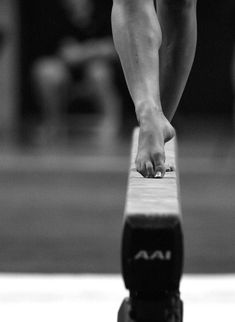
[179, 28]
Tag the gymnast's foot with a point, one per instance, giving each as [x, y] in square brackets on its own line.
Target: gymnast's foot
[155, 131]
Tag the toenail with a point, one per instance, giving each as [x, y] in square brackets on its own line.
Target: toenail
[158, 174]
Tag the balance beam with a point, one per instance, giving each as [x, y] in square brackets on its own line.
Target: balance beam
[152, 244]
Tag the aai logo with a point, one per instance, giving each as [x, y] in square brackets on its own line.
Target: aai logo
[153, 255]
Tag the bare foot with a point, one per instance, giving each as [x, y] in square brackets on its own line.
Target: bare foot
[155, 130]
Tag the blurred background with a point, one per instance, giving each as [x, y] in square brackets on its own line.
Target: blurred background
[65, 126]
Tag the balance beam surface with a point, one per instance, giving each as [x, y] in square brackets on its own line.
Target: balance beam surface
[152, 244]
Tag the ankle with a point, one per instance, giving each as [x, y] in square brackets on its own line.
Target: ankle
[146, 110]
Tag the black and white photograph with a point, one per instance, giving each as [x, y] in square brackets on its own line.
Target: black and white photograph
[117, 160]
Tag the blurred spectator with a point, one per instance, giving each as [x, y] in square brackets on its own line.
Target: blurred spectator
[80, 66]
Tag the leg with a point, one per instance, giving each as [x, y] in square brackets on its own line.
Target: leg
[179, 28]
[51, 82]
[100, 81]
[137, 37]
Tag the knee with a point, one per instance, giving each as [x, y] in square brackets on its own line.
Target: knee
[139, 15]
[49, 72]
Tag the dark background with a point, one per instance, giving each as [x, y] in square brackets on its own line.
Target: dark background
[209, 88]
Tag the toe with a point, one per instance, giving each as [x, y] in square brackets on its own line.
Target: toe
[150, 169]
[140, 167]
[159, 163]
[160, 171]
